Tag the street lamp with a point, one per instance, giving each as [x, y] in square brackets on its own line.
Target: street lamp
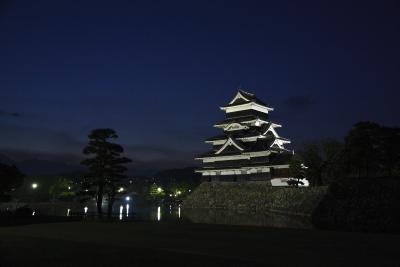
[34, 185]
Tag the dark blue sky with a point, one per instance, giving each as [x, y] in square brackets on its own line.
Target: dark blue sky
[156, 71]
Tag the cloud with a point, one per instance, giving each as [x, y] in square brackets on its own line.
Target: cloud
[4, 113]
[37, 144]
[27, 154]
[143, 161]
[26, 143]
[37, 139]
[300, 102]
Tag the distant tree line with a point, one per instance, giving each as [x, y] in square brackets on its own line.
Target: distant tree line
[10, 179]
[368, 150]
[177, 180]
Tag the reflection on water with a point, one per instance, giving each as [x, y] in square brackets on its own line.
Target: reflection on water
[158, 213]
[121, 209]
[129, 212]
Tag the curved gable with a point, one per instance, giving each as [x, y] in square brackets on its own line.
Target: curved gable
[229, 142]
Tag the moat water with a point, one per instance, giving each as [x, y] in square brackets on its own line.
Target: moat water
[126, 212]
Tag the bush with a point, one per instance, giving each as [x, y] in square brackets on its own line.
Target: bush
[360, 204]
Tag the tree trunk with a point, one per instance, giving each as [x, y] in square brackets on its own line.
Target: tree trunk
[111, 200]
[100, 200]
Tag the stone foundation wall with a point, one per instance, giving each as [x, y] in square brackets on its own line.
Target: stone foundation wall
[255, 197]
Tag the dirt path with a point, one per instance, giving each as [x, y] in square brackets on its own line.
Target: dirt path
[91, 243]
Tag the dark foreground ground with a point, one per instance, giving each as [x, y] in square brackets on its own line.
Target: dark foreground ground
[171, 244]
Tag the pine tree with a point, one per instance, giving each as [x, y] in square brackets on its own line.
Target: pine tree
[105, 165]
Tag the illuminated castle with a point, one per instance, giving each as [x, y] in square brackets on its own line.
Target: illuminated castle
[250, 148]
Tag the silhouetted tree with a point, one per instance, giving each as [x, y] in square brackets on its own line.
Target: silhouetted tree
[323, 160]
[105, 166]
[372, 150]
[178, 179]
[155, 191]
[61, 187]
[296, 171]
[10, 179]
[391, 147]
[362, 149]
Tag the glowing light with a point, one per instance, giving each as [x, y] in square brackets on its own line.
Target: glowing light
[127, 210]
[170, 195]
[304, 166]
[159, 213]
[35, 185]
[121, 209]
[68, 211]
[86, 190]
[179, 212]
[121, 189]
[33, 213]
[69, 188]
[190, 190]
[179, 192]
[128, 198]
[85, 209]
[159, 190]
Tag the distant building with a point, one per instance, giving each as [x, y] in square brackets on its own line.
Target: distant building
[250, 149]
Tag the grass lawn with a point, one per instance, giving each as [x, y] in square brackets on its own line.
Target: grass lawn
[162, 244]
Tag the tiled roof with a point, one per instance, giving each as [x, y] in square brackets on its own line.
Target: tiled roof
[259, 145]
[240, 119]
[247, 95]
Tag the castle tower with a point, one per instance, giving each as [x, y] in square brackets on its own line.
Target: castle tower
[250, 148]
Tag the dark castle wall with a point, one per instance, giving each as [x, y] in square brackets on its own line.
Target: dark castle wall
[256, 196]
[266, 177]
[351, 204]
[238, 163]
[249, 112]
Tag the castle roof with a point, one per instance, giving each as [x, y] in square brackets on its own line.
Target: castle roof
[249, 138]
[246, 147]
[243, 97]
[240, 119]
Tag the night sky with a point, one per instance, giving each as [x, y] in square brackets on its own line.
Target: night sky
[157, 71]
